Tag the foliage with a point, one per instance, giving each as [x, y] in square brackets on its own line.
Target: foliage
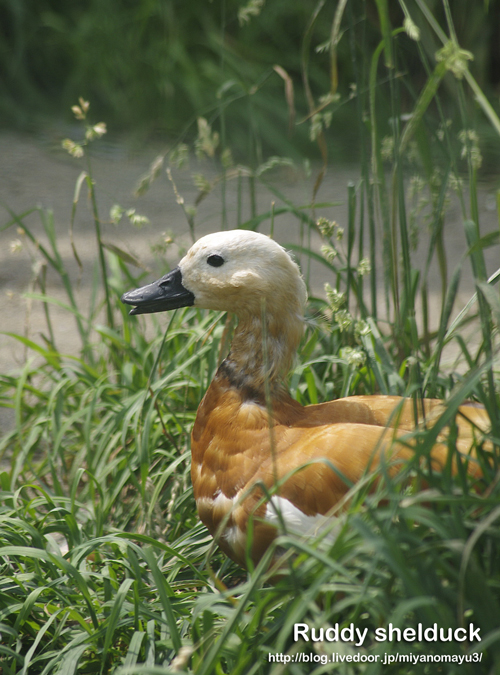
[152, 67]
[104, 565]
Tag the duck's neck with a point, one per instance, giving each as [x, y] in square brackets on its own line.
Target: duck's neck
[261, 355]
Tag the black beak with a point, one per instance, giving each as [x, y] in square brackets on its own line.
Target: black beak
[160, 296]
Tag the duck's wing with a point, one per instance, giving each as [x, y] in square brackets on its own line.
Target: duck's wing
[315, 468]
[397, 412]
[306, 487]
[299, 469]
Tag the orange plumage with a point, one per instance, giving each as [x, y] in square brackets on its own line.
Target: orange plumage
[251, 440]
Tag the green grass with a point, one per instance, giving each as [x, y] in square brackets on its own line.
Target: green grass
[105, 567]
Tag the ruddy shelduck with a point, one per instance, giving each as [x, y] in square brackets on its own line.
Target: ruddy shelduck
[256, 452]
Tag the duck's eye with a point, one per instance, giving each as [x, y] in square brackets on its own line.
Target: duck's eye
[215, 260]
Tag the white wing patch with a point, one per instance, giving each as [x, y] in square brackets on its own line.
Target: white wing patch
[280, 510]
[219, 500]
[235, 537]
[232, 534]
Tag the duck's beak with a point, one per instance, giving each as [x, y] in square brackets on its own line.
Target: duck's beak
[160, 296]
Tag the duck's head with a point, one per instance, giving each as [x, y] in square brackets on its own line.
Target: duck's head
[237, 271]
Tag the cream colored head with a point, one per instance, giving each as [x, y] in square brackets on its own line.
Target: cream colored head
[250, 275]
[237, 270]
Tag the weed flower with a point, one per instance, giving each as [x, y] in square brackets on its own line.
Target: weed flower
[74, 149]
[454, 58]
[207, 141]
[326, 227]
[16, 246]
[161, 246]
[436, 182]
[136, 219]
[470, 145]
[364, 267]
[327, 118]
[253, 8]
[116, 212]
[323, 47]
[416, 186]
[442, 129]
[362, 328]
[142, 186]
[468, 135]
[318, 121]
[475, 157]
[316, 126]
[455, 183]
[354, 357]
[80, 111]
[100, 129]
[227, 158]
[344, 320]
[387, 148]
[273, 162]
[96, 131]
[77, 112]
[179, 156]
[154, 171]
[201, 183]
[335, 298]
[156, 167]
[178, 197]
[329, 252]
[326, 99]
[411, 29]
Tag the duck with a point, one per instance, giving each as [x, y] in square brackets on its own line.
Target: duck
[260, 459]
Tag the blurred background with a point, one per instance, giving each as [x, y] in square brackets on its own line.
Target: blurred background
[150, 68]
